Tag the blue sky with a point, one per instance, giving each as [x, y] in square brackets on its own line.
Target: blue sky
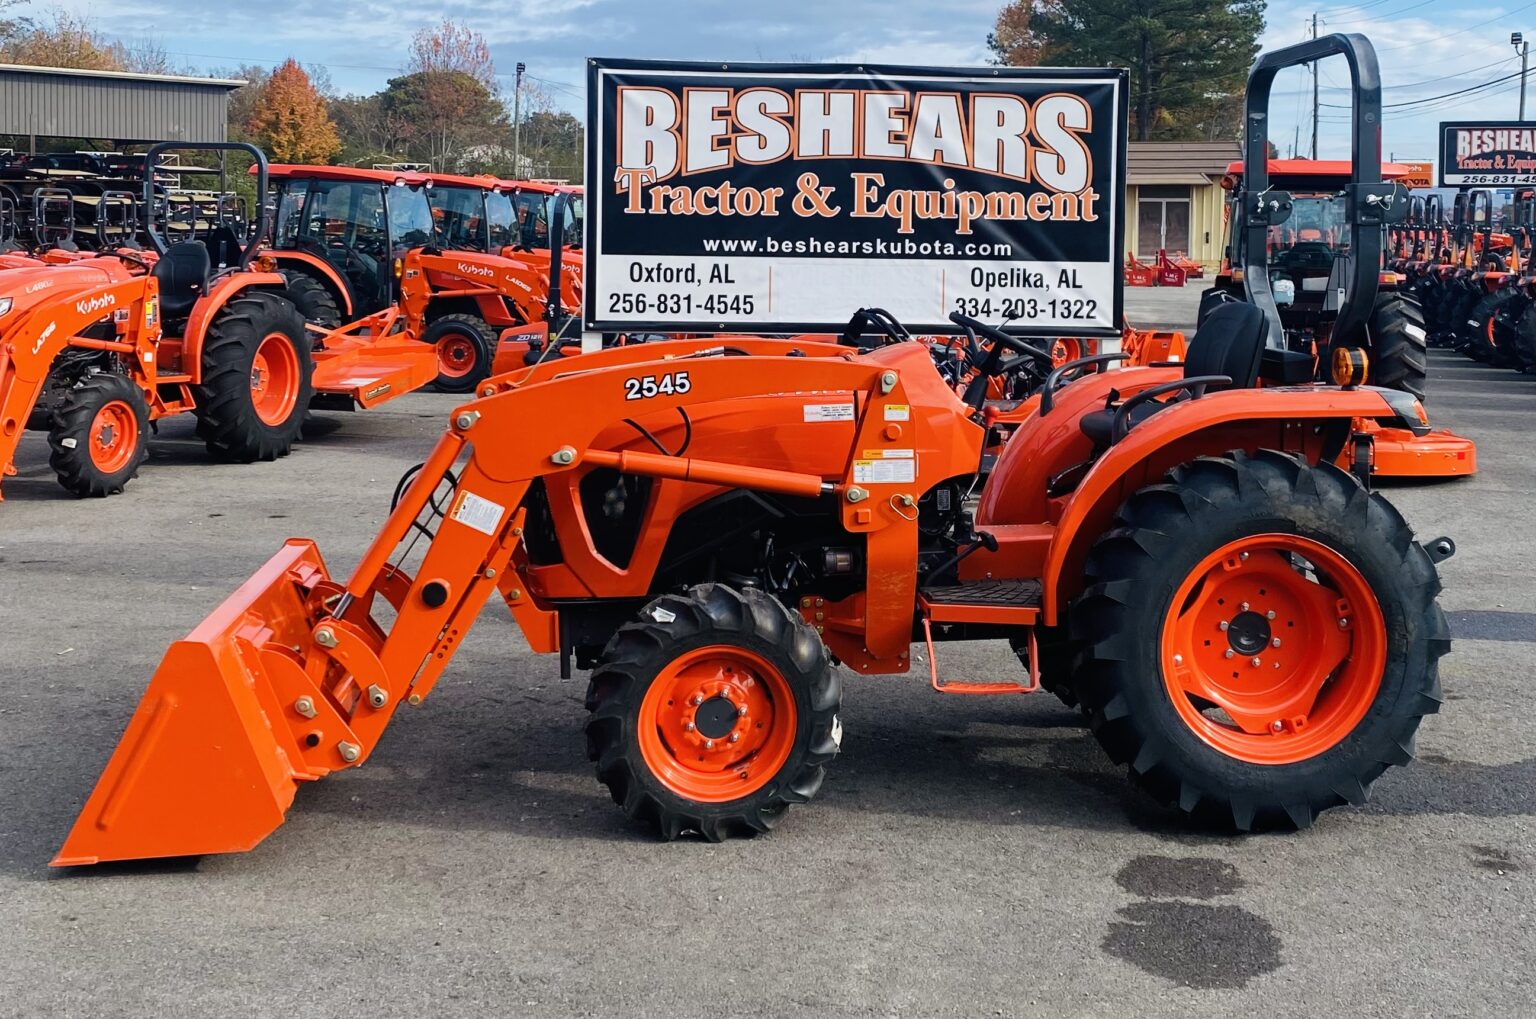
[1428, 48]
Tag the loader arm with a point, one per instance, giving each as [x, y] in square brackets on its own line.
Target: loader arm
[293, 677]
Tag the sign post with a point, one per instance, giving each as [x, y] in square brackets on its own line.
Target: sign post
[781, 197]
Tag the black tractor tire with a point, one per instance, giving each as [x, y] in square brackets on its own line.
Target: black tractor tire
[314, 300]
[639, 762]
[466, 344]
[1489, 337]
[1525, 341]
[99, 434]
[1161, 536]
[234, 420]
[1460, 300]
[1399, 351]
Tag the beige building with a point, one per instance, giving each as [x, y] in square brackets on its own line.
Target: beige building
[1174, 199]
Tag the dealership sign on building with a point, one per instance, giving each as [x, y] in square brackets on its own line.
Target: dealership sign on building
[782, 197]
[1487, 154]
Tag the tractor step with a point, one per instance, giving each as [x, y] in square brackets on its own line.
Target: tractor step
[981, 689]
[983, 601]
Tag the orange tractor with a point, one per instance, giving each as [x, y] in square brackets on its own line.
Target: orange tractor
[95, 350]
[436, 256]
[710, 524]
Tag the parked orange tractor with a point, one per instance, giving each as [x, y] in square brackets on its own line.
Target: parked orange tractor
[709, 524]
[435, 256]
[95, 350]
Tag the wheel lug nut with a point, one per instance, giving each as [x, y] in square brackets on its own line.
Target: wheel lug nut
[1270, 614]
[690, 727]
[1230, 652]
[1245, 606]
[1254, 662]
[1178, 659]
[1344, 624]
[734, 737]
[709, 744]
[1277, 725]
[698, 699]
[1243, 557]
[1275, 642]
[741, 712]
[1224, 625]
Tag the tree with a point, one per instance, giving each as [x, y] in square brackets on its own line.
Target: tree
[66, 41]
[450, 48]
[441, 113]
[290, 119]
[1189, 59]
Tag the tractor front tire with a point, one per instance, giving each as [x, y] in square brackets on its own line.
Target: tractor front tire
[1525, 340]
[1489, 335]
[98, 435]
[712, 713]
[465, 346]
[1259, 639]
[314, 300]
[1399, 350]
[257, 379]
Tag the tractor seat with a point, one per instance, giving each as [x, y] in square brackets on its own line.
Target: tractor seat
[183, 276]
[1229, 342]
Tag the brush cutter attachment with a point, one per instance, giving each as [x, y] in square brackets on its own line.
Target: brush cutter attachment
[230, 725]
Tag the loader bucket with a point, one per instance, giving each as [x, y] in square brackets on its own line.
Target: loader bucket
[208, 763]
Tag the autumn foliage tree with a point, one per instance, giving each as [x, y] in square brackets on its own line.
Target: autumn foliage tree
[290, 120]
[449, 99]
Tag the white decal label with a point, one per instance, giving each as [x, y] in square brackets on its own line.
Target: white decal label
[898, 412]
[829, 412]
[884, 472]
[481, 514]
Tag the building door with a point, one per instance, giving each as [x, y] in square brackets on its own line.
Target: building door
[1162, 219]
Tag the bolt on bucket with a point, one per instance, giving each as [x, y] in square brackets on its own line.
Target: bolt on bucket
[229, 726]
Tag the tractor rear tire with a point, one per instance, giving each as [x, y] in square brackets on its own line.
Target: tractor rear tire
[257, 379]
[314, 300]
[1190, 687]
[1399, 352]
[712, 713]
[98, 435]
[1525, 340]
[465, 346]
[1489, 337]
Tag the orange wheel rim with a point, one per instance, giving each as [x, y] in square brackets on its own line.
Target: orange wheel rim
[1489, 330]
[456, 356]
[114, 435]
[717, 724]
[1065, 350]
[274, 379]
[1273, 648]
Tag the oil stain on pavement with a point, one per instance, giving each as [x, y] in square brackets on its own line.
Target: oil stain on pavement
[1192, 943]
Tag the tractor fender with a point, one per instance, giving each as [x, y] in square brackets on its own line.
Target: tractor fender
[1217, 423]
[221, 293]
[322, 271]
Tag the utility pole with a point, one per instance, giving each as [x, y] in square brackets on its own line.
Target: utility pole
[1314, 91]
[1523, 48]
[517, 120]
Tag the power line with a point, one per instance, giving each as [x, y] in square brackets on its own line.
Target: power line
[1438, 38]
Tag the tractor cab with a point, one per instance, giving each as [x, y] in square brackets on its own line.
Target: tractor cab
[535, 202]
[352, 224]
[471, 214]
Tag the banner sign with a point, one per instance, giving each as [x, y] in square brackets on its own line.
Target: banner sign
[1487, 154]
[1421, 174]
[783, 197]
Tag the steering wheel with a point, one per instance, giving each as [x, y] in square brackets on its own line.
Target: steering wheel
[132, 259]
[1001, 340]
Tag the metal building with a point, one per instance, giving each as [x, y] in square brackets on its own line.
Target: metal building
[117, 106]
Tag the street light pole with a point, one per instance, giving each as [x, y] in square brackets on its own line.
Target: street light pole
[1523, 48]
[517, 120]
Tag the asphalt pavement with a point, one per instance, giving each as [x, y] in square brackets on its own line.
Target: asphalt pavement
[966, 857]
